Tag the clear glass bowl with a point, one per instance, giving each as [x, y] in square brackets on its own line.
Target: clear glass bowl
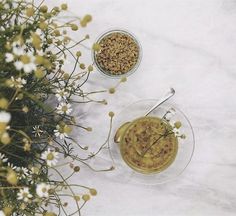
[133, 69]
[123, 172]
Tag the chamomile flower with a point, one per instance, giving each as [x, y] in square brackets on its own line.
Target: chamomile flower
[23, 173]
[9, 57]
[37, 131]
[26, 62]
[64, 108]
[3, 158]
[62, 94]
[17, 83]
[59, 132]
[62, 131]
[51, 157]
[42, 190]
[24, 195]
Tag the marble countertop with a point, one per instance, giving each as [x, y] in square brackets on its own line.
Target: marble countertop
[191, 46]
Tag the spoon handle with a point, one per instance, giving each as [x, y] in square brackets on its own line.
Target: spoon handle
[168, 95]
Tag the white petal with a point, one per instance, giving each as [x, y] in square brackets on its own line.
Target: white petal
[19, 65]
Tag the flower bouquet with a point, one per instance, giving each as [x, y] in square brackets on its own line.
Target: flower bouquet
[36, 114]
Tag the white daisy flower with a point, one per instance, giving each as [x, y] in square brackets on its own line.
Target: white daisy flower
[37, 131]
[3, 158]
[9, 57]
[18, 49]
[24, 194]
[64, 108]
[5, 117]
[59, 132]
[2, 213]
[23, 173]
[62, 94]
[42, 190]
[17, 83]
[26, 62]
[51, 157]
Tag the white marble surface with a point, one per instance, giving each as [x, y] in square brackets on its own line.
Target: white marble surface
[190, 45]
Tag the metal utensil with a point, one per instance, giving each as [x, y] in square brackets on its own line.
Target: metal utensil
[122, 128]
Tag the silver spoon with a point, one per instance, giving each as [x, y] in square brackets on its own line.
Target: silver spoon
[167, 96]
[122, 128]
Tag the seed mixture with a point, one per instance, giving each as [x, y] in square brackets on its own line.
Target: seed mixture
[118, 53]
[146, 147]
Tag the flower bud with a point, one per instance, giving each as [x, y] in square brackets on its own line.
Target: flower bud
[12, 177]
[86, 197]
[93, 191]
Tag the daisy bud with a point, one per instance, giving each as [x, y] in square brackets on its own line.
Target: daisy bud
[123, 79]
[43, 9]
[66, 76]
[77, 198]
[96, 47]
[39, 59]
[177, 124]
[12, 177]
[111, 114]
[20, 96]
[112, 90]
[82, 66]
[25, 109]
[43, 25]
[39, 73]
[23, 206]
[36, 41]
[87, 18]
[76, 168]
[74, 27]
[78, 54]
[90, 68]
[5, 138]
[64, 7]
[29, 12]
[86, 197]
[93, 191]
[3, 103]
[83, 23]
[7, 210]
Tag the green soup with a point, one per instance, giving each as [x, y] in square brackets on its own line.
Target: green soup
[148, 144]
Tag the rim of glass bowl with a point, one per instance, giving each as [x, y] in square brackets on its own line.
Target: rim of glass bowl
[134, 173]
[107, 32]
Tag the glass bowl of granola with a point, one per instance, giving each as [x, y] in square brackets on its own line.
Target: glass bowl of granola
[117, 53]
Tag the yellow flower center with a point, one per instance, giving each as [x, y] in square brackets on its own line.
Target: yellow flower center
[25, 59]
[67, 129]
[25, 195]
[64, 108]
[50, 156]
